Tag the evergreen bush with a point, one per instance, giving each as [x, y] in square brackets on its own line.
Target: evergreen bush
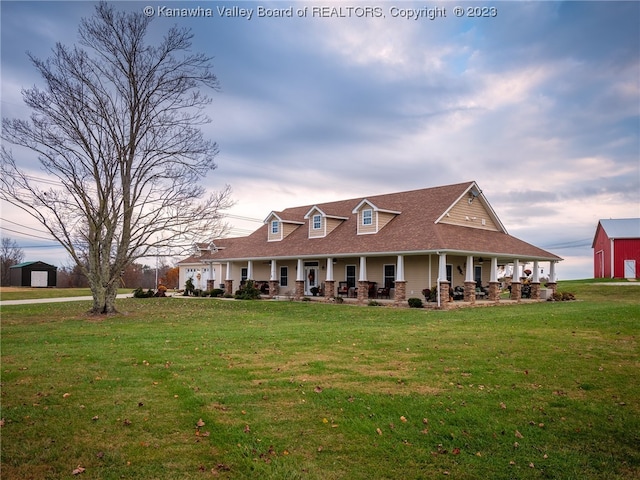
[415, 303]
[248, 292]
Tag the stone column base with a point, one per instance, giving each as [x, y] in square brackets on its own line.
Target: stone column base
[494, 291]
[211, 284]
[228, 287]
[535, 291]
[363, 291]
[329, 288]
[470, 292]
[400, 294]
[444, 294]
[516, 291]
[299, 289]
[274, 288]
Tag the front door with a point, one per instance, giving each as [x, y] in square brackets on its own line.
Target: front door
[310, 277]
[629, 269]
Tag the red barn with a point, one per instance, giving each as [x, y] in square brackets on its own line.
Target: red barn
[616, 248]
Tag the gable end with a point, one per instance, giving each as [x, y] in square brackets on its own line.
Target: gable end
[472, 210]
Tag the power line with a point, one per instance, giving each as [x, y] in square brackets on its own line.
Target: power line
[585, 242]
[28, 234]
[23, 226]
[239, 217]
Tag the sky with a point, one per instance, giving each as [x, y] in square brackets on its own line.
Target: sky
[538, 102]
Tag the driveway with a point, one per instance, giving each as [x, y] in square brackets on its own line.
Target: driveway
[54, 300]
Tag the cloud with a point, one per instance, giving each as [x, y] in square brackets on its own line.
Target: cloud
[539, 104]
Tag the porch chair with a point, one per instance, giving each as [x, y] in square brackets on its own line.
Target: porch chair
[343, 289]
[383, 292]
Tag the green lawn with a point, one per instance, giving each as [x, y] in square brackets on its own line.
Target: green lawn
[24, 293]
[315, 391]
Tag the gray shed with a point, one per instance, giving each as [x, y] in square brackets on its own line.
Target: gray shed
[33, 274]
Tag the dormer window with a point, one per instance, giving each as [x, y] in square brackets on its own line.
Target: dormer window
[367, 217]
[279, 228]
[371, 218]
[320, 223]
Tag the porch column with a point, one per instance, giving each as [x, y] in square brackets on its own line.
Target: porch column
[494, 285]
[250, 270]
[443, 283]
[299, 293]
[400, 293]
[228, 282]
[469, 284]
[516, 286]
[329, 284]
[211, 281]
[552, 283]
[274, 287]
[363, 284]
[535, 281]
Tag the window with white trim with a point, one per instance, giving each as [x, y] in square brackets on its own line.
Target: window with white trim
[317, 224]
[367, 217]
[389, 276]
[284, 276]
[477, 275]
[275, 226]
[350, 275]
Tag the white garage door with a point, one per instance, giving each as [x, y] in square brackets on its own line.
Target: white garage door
[39, 279]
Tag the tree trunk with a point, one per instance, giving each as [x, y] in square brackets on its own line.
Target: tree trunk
[104, 299]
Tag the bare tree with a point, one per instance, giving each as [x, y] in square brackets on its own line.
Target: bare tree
[10, 254]
[118, 122]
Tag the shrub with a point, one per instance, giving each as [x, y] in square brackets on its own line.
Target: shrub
[373, 303]
[338, 299]
[216, 292]
[189, 287]
[140, 293]
[415, 303]
[563, 296]
[248, 292]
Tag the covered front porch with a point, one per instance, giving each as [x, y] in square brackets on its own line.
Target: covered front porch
[453, 276]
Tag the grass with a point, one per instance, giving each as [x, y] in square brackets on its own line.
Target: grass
[306, 390]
